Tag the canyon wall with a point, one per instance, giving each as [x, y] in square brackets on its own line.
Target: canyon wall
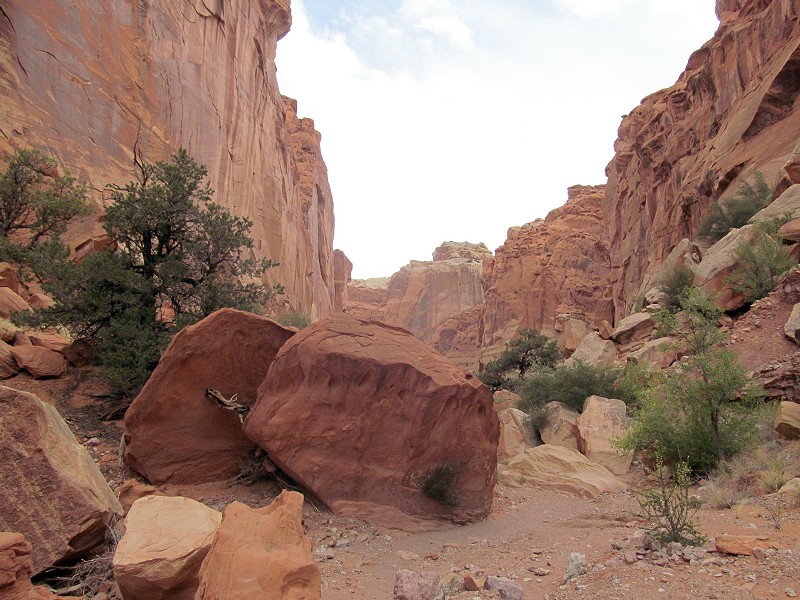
[730, 113]
[90, 80]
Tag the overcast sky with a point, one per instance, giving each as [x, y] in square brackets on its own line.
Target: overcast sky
[457, 119]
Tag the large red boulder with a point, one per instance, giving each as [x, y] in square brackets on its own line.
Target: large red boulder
[40, 362]
[364, 416]
[173, 432]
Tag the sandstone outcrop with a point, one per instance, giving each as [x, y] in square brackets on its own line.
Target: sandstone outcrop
[787, 421]
[560, 426]
[11, 302]
[560, 469]
[40, 362]
[161, 76]
[165, 542]
[173, 431]
[8, 365]
[52, 491]
[730, 113]
[660, 353]
[361, 412]
[515, 436]
[423, 294]
[595, 350]
[261, 554]
[366, 298]
[634, 328]
[16, 568]
[342, 269]
[553, 266]
[602, 421]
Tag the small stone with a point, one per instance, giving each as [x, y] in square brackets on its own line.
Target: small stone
[508, 589]
[631, 557]
[405, 555]
[469, 584]
[577, 566]
[790, 592]
[759, 553]
[540, 572]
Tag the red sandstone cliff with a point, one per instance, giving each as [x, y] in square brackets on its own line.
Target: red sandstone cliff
[86, 81]
[730, 113]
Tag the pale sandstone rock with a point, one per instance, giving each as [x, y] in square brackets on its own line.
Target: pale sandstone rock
[790, 232]
[602, 421]
[606, 330]
[740, 544]
[345, 395]
[635, 327]
[131, 490]
[11, 302]
[560, 428]
[504, 399]
[660, 352]
[785, 205]
[515, 436]
[560, 469]
[173, 431]
[792, 326]
[787, 421]
[261, 554]
[52, 491]
[595, 350]
[39, 300]
[791, 487]
[713, 273]
[16, 568]
[40, 362]
[49, 339]
[202, 76]
[571, 332]
[165, 542]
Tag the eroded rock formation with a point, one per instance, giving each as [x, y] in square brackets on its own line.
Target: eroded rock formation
[89, 81]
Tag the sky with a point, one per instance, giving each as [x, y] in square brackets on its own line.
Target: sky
[458, 119]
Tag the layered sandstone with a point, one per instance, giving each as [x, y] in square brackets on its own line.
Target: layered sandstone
[552, 266]
[424, 293]
[90, 81]
[730, 113]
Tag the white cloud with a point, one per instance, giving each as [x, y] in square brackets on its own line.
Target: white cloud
[461, 145]
[592, 8]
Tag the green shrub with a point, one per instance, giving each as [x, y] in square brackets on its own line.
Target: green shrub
[441, 486]
[295, 319]
[735, 212]
[759, 265]
[570, 385]
[669, 509]
[530, 349]
[674, 284]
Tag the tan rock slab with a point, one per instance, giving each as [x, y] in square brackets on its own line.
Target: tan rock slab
[560, 469]
[595, 350]
[515, 436]
[261, 554]
[791, 487]
[165, 542]
[790, 232]
[787, 421]
[713, 272]
[740, 544]
[50, 340]
[637, 326]
[11, 302]
[560, 427]
[792, 327]
[40, 362]
[131, 490]
[602, 421]
[359, 411]
[173, 431]
[787, 204]
[660, 352]
[52, 490]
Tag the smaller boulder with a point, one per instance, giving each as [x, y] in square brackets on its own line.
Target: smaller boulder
[790, 232]
[606, 330]
[560, 426]
[40, 362]
[39, 300]
[411, 585]
[261, 553]
[8, 277]
[165, 542]
[515, 437]
[577, 566]
[787, 421]
[11, 302]
[792, 327]
[8, 366]
[602, 421]
[635, 327]
[742, 545]
[16, 568]
[131, 490]
[504, 399]
[49, 339]
[595, 350]
[507, 589]
[660, 352]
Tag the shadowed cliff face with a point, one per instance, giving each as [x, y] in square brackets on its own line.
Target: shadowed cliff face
[89, 80]
[730, 113]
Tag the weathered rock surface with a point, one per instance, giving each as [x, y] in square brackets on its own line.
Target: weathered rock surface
[560, 469]
[16, 568]
[507, 589]
[423, 294]
[549, 267]
[132, 490]
[261, 554]
[200, 75]
[173, 431]
[570, 332]
[792, 327]
[49, 339]
[11, 302]
[342, 269]
[165, 542]
[515, 436]
[40, 362]
[714, 271]
[410, 585]
[358, 411]
[660, 352]
[602, 421]
[632, 328]
[730, 113]
[740, 544]
[787, 421]
[560, 427]
[8, 365]
[52, 491]
[366, 298]
[595, 350]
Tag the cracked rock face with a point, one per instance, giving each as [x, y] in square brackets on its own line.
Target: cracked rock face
[87, 81]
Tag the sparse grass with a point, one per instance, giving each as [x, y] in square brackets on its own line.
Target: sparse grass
[721, 496]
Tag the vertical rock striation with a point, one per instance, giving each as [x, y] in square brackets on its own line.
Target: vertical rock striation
[89, 81]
